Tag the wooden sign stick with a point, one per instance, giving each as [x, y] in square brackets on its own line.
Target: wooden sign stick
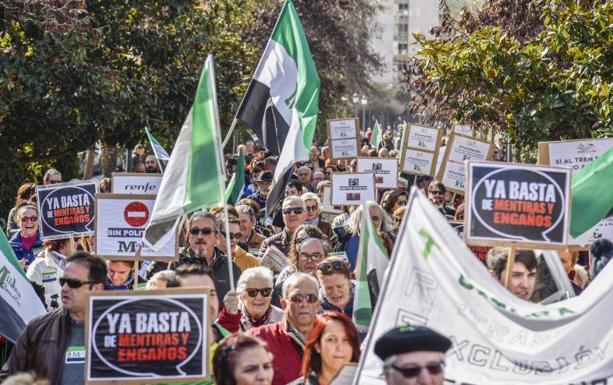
[509, 269]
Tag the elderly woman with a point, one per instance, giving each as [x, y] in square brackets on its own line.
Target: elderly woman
[26, 243]
[313, 208]
[331, 343]
[250, 306]
[347, 238]
[336, 292]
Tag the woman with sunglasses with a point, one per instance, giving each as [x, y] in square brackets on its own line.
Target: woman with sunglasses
[393, 200]
[241, 359]
[331, 343]
[252, 307]
[336, 292]
[295, 263]
[26, 243]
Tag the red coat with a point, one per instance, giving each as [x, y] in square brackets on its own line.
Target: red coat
[286, 347]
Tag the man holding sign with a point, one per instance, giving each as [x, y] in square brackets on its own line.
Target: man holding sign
[53, 345]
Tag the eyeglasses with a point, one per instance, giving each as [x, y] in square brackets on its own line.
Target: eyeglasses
[434, 368]
[311, 208]
[402, 203]
[233, 235]
[295, 210]
[266, 292]
[436, 192]
[309, 298]
[74, 283]
[327, 267]
[304, 174]
[203, 231]
[310, 257]
[33, 218]
[52, 181]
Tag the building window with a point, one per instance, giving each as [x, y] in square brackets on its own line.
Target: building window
[403, 7]
[403, 48]
[403, 28]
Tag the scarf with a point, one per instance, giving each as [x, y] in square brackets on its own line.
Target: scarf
[127, 285]
[259, 322]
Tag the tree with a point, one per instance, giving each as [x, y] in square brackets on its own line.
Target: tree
[543, 72]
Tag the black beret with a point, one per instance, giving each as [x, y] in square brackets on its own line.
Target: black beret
[407, 338]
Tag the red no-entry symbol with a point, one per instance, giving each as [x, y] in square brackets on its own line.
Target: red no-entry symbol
[136, 214]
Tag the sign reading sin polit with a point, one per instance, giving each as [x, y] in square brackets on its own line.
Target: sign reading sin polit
[66, 209]
[514, 203]
[152, 336]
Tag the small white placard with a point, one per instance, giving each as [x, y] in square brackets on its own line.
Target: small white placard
[136, 183]
[418, 162]
[424, 138]
[352, 189]
[385, 170]
[344, 148]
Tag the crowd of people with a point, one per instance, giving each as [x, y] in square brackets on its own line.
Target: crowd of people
[290, 325]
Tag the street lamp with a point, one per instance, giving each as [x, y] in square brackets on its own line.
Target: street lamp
[364, 102]
[356, 100]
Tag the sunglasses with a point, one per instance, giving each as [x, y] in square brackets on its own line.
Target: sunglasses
[309, 298]
[402, 203]
[74, 283]
[30, 219]
[266, 292]
[233, 235]
[327, 267]
[412, 372]
[310, 257]
[311, 208]
[295, 210]
[203, 231]
[436, 192]
[304, 174]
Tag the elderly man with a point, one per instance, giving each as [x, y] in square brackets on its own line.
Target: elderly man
[202, 250]
[250, 239]
[294, 214]
[313, 207]
[304, 175]
[151, 164]
[285, 339]
[412, 355]
[53, 346]
[523, 274]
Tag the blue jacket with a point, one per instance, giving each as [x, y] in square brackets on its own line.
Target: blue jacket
[21, 252]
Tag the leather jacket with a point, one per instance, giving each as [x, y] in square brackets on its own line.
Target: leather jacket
[41, 347]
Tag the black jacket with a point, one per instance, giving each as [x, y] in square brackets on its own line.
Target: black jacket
[41, 347]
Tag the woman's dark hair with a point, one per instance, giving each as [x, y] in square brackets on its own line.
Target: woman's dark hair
[24, 193]
[96, 265]
[227, 353]
[295, 184]
[56, 244]
[312, 232]
[311, 360]
[390, 198]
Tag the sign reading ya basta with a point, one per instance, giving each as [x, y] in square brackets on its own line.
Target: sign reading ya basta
[498, 339]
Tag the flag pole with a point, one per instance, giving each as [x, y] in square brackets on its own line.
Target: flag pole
[230, 131]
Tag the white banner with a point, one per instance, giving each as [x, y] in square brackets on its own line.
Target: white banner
[498, 339]
[136, 183]
[120, 226]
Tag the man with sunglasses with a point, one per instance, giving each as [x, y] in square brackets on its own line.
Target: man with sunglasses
[285, 339]
[436, 195]
[412, 355]
[294, 215]
[240, 257]
[53, 346]
[202, 250]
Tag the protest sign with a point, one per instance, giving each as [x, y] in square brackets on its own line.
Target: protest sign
[66, 209]
[147, 336]
[419, 150]
[572, 153]
[463, 129]
[385, 170]
[497, 338]
[326, 204]
[135, 183]
[517, 203]
[461, 148]
[352, 189]
[576, 154]
[344, 138]
[479, 251]
[120, 223]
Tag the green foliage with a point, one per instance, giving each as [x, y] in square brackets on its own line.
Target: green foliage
[552, 84]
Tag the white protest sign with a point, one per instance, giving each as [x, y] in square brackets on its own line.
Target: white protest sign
[419, 162]
[459, 149]
[419, 149]
[385, 170]
[326, 204]
[343, 137]
[136, 183]
[343, 128]
[425, 138]
[352, 189]
[120, 226]
[435, 281]
[344, 148]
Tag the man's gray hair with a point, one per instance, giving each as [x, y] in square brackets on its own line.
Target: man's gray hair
[259, 272]
[247, 210]
[295, 278]
[291, 199]
[204, 215]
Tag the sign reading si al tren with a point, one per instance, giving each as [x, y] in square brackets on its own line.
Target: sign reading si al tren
[136, 183]
[352, 189]
[517, 203]
[120, 225]
[385, 170]
[147, 336]
[66, 209]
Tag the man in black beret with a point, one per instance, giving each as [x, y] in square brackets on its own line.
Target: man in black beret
[412, 355]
